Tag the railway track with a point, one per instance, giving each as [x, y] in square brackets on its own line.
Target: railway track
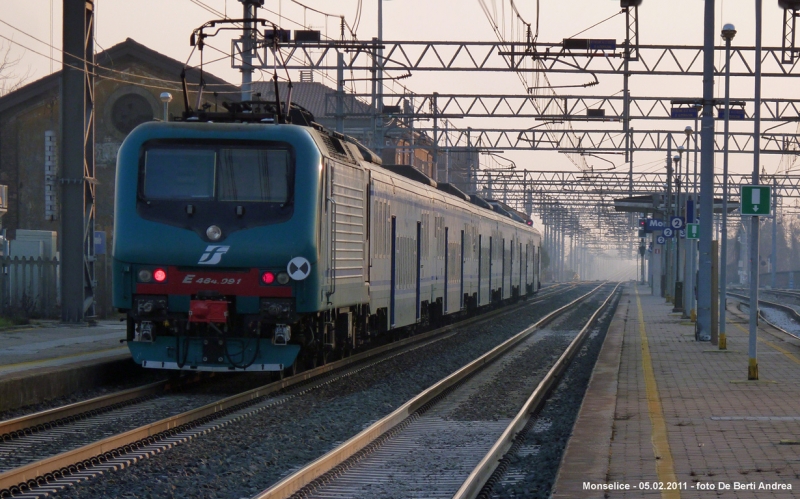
[47, 474]
[790, 311]
[460, 454]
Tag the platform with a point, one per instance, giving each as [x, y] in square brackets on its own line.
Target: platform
[665, 411]
[51, 360]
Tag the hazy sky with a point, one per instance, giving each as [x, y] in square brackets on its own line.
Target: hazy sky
[165, 26]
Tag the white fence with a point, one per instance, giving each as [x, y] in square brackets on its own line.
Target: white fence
[29, 287]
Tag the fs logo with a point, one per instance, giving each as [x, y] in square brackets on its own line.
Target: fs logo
[213, 255]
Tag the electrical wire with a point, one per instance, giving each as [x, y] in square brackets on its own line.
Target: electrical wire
[109, 78]
[580, 163]
[597, 24]
[95, 65]
[223, 15]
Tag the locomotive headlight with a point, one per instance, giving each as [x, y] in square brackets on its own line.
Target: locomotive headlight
[283, 278]
[214, 233]
[145, 275]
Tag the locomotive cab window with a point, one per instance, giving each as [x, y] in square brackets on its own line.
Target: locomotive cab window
[232, 173]
[231, 184]
[179, 174]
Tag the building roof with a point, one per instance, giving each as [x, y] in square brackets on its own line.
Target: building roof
[115, 56]
[310, 95]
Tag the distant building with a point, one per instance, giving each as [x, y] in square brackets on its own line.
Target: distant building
[130, 79]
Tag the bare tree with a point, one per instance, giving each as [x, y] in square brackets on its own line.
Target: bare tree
[10, 78]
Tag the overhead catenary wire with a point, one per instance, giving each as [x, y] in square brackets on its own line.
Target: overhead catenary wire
[110, 78]
[80, 59]
[223, 15]
[580, 162]
[597, 24]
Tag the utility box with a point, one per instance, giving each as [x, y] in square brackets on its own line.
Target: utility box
[35, 244]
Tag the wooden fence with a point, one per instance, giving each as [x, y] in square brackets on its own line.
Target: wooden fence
[29, 287]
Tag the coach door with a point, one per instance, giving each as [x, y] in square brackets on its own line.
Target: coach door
[461, 275]
[503, 269]
[393, 270]
[446, 265]
[519, 255]
[419, 265]
[480, 266]
[490, 267]
[523, 275]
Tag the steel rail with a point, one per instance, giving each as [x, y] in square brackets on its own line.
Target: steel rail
[789, 310]
[39, 420]
[35, 473]
[483, 471]
[317, 468]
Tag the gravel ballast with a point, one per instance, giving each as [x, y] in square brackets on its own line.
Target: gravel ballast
[533, 468]
[248, 456]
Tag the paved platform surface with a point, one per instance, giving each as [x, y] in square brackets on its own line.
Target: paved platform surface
[666, 412]
[55, 344]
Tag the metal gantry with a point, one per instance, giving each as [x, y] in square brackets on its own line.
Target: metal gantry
[604, 121]
[78, 281]
[552, 107]
[606, 141]
[413, 55]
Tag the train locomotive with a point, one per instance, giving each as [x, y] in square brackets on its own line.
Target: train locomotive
[256, 245]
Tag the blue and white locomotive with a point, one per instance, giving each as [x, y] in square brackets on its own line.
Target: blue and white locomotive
[245, 246]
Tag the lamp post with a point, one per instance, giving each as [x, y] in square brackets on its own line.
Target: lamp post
[666, 258]
[688, 278]
[752, 365]
[728, 32]
[678, 301]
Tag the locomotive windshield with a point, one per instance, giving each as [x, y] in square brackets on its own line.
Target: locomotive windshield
[234, 173]
[232, 184]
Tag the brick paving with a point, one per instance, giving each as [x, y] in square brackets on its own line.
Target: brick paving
[721, 428]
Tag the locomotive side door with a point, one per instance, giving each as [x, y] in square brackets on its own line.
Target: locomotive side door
[325, 237]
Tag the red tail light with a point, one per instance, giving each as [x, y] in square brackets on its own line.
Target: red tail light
[160, 275]
[267, 277]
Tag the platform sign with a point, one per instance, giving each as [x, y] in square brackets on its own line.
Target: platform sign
[668, 232]
[735, 114]
[692, 231]
[756, 199]
[603, 44]
[654, 225]
[661, 240]
[684, 113]
[676, 223]
[99, 242]
[682, 233]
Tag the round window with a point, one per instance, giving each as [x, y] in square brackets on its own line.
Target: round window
[129, 111]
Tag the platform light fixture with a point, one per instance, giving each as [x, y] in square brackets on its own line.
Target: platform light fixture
[728, 32]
